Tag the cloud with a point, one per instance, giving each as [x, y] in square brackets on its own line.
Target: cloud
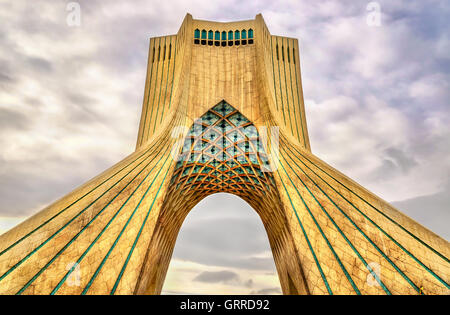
[11, 119]
[217, 276]
[267, 291]
[227, 234]
[215, 279]
[400, 159]
[432, 211]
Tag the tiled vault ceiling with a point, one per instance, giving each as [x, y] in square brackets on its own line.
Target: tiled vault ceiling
[222, 152]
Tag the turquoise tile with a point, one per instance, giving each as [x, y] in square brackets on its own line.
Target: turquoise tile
[209, 118]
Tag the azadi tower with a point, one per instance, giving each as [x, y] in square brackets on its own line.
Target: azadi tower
[223, 111]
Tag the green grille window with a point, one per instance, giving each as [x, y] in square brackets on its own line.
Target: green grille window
[224, 35]
[244, 34]
[230, 35]
[250, 33]
[236, 35]
[217, 35]
[197, 33]
[210, 35]
[203, 34]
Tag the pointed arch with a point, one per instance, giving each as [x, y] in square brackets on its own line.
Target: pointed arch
[223, 152]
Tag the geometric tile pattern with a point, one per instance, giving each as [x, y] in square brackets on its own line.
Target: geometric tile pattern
[223, 152]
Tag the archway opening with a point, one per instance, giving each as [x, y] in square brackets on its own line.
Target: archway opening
[222, 248]
[221, 153]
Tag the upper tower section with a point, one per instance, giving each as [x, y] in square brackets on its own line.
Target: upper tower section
[239, 62]
[224, 34]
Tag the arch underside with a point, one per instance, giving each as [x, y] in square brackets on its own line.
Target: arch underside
[222, 152]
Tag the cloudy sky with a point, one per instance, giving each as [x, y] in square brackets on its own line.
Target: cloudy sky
[377, 103]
